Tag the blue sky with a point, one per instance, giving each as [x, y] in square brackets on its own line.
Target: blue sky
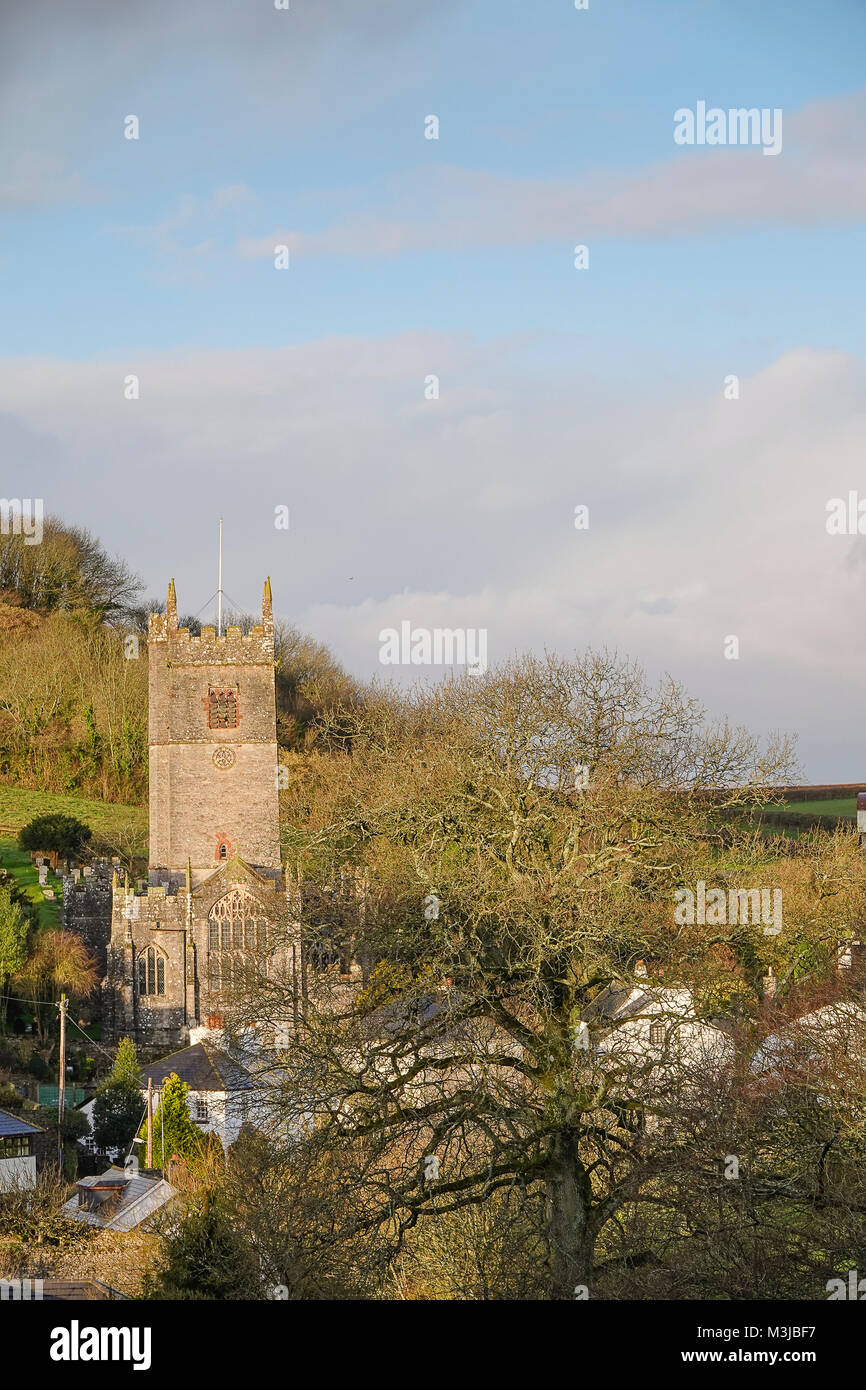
[454, 256]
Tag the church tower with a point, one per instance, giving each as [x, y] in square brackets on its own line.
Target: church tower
[212, 747]
[215, 905]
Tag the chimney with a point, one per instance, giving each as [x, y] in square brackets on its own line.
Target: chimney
[640, 968]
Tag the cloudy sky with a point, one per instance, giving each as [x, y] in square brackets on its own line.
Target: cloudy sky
[410, 258]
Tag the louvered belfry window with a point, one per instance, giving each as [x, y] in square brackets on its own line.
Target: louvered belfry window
[222, 708]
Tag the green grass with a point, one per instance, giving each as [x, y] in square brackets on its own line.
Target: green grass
[835, 806]
[26, 875]
[18, 805]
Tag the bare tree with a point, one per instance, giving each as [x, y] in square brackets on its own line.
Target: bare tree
[511, 843]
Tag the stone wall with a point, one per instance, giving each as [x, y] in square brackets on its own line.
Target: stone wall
[175, 925]
[87, 909]
[213, 791]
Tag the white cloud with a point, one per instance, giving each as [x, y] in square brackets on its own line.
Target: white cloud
[706, 517]
[38, 182]
[819, 179]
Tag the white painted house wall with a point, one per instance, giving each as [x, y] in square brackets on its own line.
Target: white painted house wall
[17, 1174]
[213, 1111]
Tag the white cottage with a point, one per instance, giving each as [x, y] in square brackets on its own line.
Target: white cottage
[649, 1024]
[17, 1152]
[835, 1032]
[220, 1091]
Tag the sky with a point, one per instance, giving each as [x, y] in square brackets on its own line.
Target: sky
[607, 386]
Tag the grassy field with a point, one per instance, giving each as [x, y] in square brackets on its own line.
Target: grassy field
[835, 806]
[26, 875]
[18, 806]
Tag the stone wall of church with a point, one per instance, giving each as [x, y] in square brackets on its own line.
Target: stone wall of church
[87, 910]
[205, 813]
[175, 926]
[214, 829]
[213, 791]
[153, 920]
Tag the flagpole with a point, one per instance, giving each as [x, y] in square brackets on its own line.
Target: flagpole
[220, 586]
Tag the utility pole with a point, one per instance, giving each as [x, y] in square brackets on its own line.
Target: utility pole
[61, 1086]
[149, 1122]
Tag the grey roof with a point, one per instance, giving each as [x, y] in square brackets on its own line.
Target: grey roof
[140, 1199]
[12, 1127]
[203, 1068]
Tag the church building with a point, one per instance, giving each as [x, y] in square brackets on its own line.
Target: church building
[215, 891]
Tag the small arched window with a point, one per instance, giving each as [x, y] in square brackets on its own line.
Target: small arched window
[224, 851]
[151, 972]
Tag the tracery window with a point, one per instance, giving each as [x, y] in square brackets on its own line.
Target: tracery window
[236, 925]
[151, 972]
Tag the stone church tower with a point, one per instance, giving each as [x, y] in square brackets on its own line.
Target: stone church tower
[215, 886]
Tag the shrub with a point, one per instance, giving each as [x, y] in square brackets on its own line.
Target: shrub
[56, 831]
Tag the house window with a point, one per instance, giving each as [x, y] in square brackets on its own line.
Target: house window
[151, 972]
[222, 709]
[17, 1147]
[198, 1107]
[658, 1033]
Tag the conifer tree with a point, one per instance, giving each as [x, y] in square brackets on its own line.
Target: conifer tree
[182, 1137]
[118, 1104]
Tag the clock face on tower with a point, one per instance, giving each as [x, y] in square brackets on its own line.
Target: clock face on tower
[224, 758]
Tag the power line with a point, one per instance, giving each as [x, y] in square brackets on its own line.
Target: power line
[97, 1045]
[54, 1003]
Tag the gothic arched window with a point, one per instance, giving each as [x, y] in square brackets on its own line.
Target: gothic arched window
[236, 924]
[151, 972]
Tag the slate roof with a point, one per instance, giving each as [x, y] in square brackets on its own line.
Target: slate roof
[622, 1001]
[841, 1025]
[203, 1068]
[12, 1127]
[140, 1199]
